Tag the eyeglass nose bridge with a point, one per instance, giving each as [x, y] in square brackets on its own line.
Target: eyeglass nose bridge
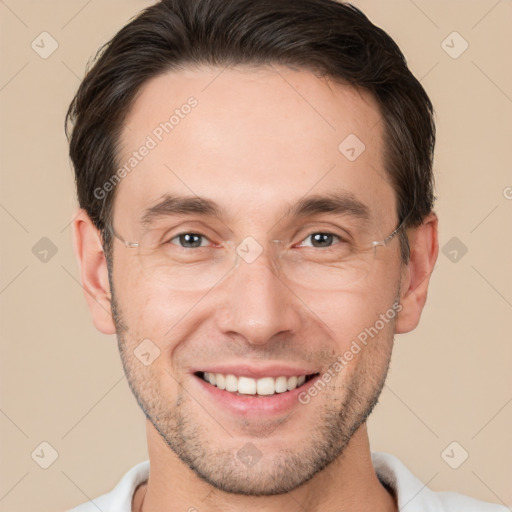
[250, 250]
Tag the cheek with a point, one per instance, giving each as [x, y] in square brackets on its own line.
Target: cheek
[140, 300]
[364, 357]
[151, 311]
[349, 314]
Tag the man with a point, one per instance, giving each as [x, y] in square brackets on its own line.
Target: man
[255, 225]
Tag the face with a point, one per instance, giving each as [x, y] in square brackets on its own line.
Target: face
[255, 146]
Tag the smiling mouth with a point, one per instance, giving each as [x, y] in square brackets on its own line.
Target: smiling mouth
[265, 386]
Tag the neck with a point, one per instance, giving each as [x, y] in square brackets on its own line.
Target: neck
[348, 483]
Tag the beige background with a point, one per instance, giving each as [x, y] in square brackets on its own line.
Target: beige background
[62, 382]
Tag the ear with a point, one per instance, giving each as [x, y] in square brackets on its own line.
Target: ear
[93, 271]
[424, 245]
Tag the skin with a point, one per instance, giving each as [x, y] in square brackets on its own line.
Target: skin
[258, 140]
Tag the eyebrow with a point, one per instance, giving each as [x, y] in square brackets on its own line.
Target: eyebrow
[334, 203]
[183, 205]
[344, 203]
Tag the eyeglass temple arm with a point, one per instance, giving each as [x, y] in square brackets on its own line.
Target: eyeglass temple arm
[393, 234]
[130, 245]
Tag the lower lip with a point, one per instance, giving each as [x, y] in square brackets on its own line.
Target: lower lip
[277, 403]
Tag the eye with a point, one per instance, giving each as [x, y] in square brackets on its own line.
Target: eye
[189, 240]
[320, 240]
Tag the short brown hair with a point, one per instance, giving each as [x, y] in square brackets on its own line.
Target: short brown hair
[328, 38]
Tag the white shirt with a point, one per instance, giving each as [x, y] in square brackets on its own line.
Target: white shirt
[412, 494]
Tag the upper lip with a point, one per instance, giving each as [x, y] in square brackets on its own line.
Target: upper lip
[256, 372]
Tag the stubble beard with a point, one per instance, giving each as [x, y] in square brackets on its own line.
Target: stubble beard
[179, 424]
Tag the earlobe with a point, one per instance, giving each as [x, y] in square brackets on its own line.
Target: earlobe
[424, 245]
[93, 271]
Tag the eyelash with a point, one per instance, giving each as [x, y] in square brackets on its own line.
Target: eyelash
[328, 233]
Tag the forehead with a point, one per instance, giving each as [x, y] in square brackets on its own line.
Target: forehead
[252, 140]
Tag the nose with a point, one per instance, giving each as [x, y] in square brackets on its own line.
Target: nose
[257, 304]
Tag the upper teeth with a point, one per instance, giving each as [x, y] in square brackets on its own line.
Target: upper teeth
[249, 386]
